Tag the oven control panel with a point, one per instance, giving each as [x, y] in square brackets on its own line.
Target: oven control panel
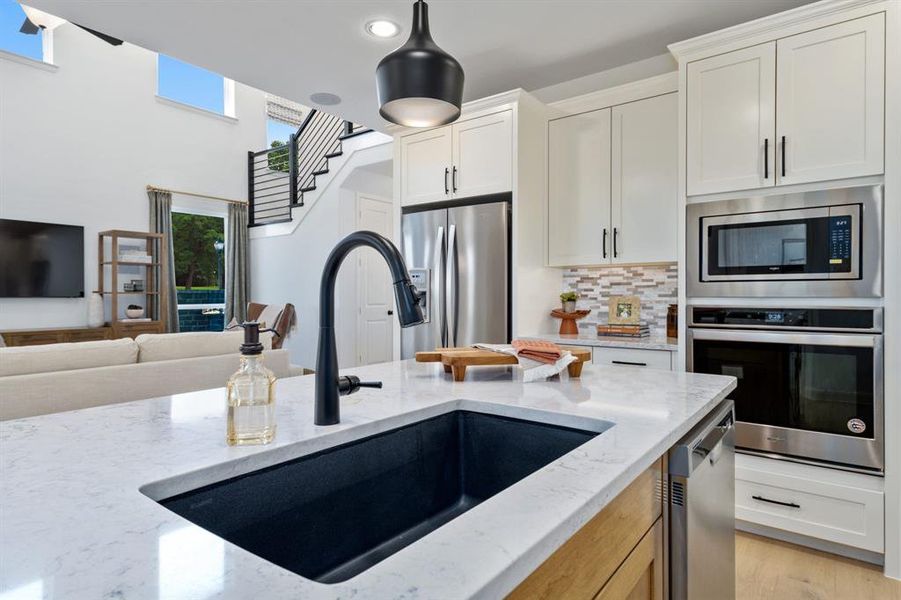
[854, 319]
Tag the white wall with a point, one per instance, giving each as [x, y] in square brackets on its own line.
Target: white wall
[642, 69]
[80, 141]
[288, 268]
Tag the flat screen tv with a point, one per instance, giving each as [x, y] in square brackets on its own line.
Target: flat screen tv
[41, 260]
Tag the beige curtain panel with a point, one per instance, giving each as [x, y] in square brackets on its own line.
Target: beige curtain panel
[237, 281]
[161, 222]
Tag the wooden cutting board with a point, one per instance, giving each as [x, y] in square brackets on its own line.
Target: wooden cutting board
[456, 360]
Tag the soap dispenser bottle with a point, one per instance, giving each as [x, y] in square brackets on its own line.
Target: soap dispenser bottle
[251, 394]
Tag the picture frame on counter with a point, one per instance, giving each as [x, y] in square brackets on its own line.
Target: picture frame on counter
[624, 310]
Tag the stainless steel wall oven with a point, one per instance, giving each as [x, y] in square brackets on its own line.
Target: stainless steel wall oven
[824, 243]
[810, 380]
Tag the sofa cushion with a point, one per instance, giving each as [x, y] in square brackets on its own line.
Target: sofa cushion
[172, 346]
[42, 393]
[22, 360]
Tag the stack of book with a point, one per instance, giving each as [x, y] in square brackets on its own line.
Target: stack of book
[639, 330]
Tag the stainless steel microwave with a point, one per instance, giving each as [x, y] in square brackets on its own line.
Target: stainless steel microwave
[826, 243]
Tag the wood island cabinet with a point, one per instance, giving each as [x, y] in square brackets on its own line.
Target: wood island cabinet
[619, 554]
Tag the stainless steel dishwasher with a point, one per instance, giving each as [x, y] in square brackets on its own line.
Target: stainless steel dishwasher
[702, 509]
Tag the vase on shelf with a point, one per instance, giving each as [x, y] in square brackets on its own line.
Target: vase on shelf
[95, 310]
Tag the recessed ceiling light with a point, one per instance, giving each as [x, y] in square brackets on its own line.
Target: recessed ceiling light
[382, 28]
[325, 98]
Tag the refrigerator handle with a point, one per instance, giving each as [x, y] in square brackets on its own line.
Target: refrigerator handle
[450, 286]
[438, 270]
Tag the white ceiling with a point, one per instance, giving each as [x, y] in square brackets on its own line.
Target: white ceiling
[295, 48]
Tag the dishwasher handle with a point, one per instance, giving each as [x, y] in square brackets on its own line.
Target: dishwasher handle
[712, 445]
[703, 444]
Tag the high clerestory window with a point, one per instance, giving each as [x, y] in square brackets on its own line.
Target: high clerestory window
[192, 85]
[12, 40]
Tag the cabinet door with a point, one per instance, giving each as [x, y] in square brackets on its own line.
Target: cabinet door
[640, 577]
[645, 180]
[730, 124]
[579, 189]
[425, 166]
[829, 111]
[483, 155]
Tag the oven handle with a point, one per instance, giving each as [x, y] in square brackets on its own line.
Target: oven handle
[848, 340]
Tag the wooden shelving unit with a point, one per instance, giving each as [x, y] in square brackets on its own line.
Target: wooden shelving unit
[155, 281]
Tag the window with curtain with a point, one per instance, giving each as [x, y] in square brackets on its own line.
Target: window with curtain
[199, 251]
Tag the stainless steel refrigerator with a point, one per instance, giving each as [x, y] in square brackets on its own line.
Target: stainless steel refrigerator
[459, 256]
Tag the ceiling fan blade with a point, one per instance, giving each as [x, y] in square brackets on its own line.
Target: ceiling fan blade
[28, 27]
[106, 38]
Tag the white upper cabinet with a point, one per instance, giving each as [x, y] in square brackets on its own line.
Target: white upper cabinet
[731, 126]
[469, 158]
[829, 101]
[644, 186]
[483, 155]
[579, 189]
[426, 166]
[804, 108]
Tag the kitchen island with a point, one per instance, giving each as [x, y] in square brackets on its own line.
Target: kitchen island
[78, 490]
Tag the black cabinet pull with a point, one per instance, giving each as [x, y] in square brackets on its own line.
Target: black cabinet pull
[615, 253]
[604, 243]
[783, 156]
[454, 179]
[766, 158]
[446, 172]
[779, 502]
[626, 362]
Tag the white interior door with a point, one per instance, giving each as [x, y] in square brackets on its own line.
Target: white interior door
[425, 166]
[483, 155]
[830, 96]
[578, 219]
[731, 118]
[645, 180]
[375, 320]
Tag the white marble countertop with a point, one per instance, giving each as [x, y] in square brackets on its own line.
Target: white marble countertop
[75, 524]
[591, 339]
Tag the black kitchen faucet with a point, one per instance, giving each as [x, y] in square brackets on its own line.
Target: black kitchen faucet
[328, 384]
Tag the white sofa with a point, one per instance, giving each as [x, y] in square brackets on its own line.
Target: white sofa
[37, 380]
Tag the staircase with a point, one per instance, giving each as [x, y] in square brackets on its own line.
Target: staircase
[278, 177]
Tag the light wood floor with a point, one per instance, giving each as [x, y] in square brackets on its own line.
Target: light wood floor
[771, 570]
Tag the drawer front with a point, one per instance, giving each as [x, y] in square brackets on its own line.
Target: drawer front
[632, 357]
[32, 339]
[133, 330]
[584, 564]
[90, 335]
[819, 509]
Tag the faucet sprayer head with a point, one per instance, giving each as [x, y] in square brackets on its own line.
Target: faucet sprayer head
[409, 312]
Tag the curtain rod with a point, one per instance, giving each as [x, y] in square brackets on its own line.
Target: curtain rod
[153, 188]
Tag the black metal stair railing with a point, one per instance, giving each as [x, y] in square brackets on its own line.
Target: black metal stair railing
[278, 177]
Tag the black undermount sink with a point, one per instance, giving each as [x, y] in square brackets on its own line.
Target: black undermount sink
[331, 515]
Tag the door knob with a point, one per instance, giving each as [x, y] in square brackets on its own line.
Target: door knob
[390, 312]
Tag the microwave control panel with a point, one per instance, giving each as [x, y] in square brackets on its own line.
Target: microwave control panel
[840, 243]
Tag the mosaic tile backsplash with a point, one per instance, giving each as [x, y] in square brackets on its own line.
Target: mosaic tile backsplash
[656, 285]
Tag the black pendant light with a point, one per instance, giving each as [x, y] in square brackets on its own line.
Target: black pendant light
[419, 84]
